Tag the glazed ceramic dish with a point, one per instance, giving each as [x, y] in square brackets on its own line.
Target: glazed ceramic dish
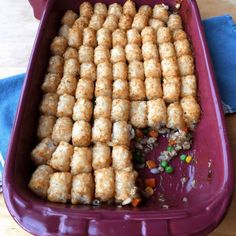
[208, 181]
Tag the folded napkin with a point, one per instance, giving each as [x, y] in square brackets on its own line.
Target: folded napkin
[10, 89]
[221, 36]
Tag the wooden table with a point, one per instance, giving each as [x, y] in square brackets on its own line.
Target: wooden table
[208, 8]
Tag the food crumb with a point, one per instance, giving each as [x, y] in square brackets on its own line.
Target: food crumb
[161, 198]
[185, 199]
[193, 183]
[165, 206]
[177, 6]
[183, 180]
[155, 171]
[96, 202]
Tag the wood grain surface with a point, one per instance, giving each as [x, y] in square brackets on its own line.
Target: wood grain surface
[17, 52]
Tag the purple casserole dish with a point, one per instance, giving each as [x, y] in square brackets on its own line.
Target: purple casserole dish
[208, 199]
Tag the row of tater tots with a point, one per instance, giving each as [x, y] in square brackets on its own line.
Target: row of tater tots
[114, 66]
[59, 101]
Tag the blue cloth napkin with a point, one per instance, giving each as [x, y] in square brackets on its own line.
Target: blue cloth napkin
[10, 89]
[221, 36]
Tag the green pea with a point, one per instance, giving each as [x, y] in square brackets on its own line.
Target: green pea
[183, 157]
[164, 164]
[169, 169]
[170, 149]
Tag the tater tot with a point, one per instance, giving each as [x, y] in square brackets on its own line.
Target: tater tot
[121, 133]
[134, 37]
[85, 89]
[103, 87]
[119, 38]
[163, 35]
[104, 184]
[88, 71]
[100, 9]
[43, 151]
[140, 21]
[83, 110]
[96, 22]
[153, 88]
[120, 89]
[129, 8]
[81, 160]
[149, 35]
[120, 110]
[82, 189]
[166, 50]
[59, 187]
[63, 31]
[149, 51]
[45, 126]
[137, 90]
[39, 181]
[62, 130]
[102, 107]
[175, 116]
[111, 22]
[118, 54]
[186, 65]
[51, 82]
[133, 52]
[81, 23]
[101, 54]
[138, 114]
[115, 9]
[101, 156]
[125, 185]
[136, 70]
[65, 105]
[169, 67]
[75, 37]
[70, 53]
[89, 37]
[156, 24]
[191, 111]
[120, 71]
[101, 131]
[104, 37]
[188, 86]
[125, 22]
[104, 70]
[81, 134]
[55, 64]
[61, 157]
[86, 54]
[121, 158]
[182, 47]
[145, 9]
[174, 22]
[49, 103]
[171, 89]
[86, 9]
[58, 46]
[160, 12]
[157, 114]
[152, 68]
[179, 35]
[67, 85]
[69, 18]
[71, 67]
